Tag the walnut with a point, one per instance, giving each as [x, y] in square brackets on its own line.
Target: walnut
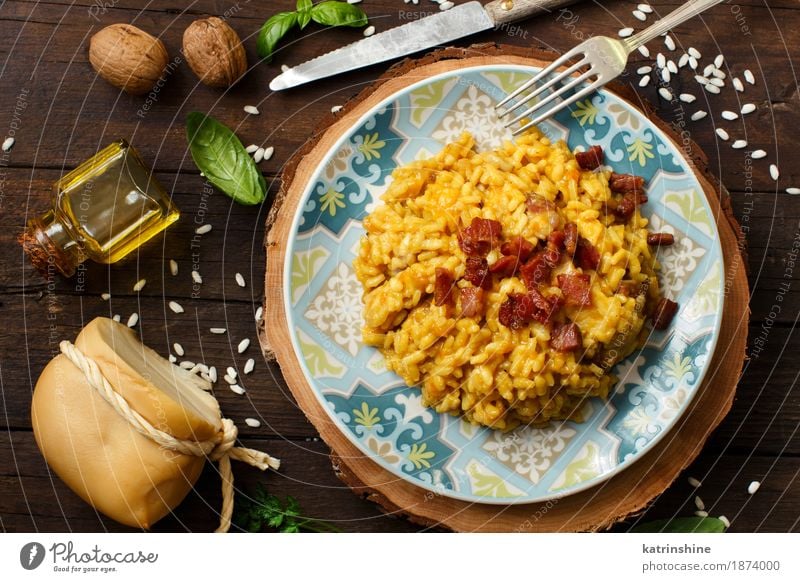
[128, 57]
[214, 52]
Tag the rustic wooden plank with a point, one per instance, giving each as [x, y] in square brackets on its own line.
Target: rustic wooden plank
[28, 488]
[68, 106]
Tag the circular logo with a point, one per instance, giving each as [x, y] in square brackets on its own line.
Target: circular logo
[31, 555]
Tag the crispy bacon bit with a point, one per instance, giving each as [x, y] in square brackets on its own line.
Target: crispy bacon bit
[516, 311]
[518, 247]
[626, 183]
[664, 312]
[556, 239]
[660, 239]
[537, 205]
[477, 273]
[571, 238]
[586, 256]
[591, 159]
[505, 266]
[536, 270]
[443, 287]
[471, 301]
[480, 237]
[520, 309]
[632, 288]
[627, 206]
[566, 338]
[575, 289]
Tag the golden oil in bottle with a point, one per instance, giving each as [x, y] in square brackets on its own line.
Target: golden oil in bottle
[102, 210]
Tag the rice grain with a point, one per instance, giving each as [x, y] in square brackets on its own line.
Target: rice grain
[251, 109]
[236, 389]
[252, 422]
[178, 349]
[175, 307]
[249, 365]
[240, 280]
[217, 330]
[243, 345]
[133, 319]
[173, 267]
[723, 135]
[139, 285]
[753, 487]
[205, 229]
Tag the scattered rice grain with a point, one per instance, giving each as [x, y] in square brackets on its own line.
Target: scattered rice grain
[698, 115]
[774, 172]
[105, 296]
[175, 307]
[231, 371]
[236, 389]
[646, 8]
[252, 422]
[639, 15]
[625, 32]
[178, 348]
[336, 109]
[694, 482]
[693, 63]
[709, 70]
[644, 51]
[240, 280]
[749, 77]
[723, 135]
[259, 312]
[701, 513]
[133, 319]
[172, 359]
[748, 108]
[217, 330]
[793, 191]
[758, 154]
[753, 487]
[729, 115]
[701, 79]
[738, 85]
[139, 285]
[173, 267]
[669, 43]
[212, 374]
[716, 82]
[116, 317]
[644, 81]
[268, 152]
[666, 76]
[644, 70]
[205, 229]
[446, 5]
[8, 143]
[251, 149]
[249, 365]
[739, 144]
[197, 278]
[251, 109]
[672, 67]
[688, 98]
[665, 93]
[187, 364]
[713, 89]
[229, 379]
[718, 61]
[661, 60]
[725, 521]
[693, 52]
[258, 157]
[243, 345]
[698, 503]
[284, 68]
[683, 61]
[719, 74]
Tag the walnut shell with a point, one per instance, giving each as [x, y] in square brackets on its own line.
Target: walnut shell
[214, 52]
[128, 57]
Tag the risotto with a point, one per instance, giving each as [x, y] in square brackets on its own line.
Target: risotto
[506, 284]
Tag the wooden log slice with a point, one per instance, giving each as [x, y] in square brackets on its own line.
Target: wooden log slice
[597, 508]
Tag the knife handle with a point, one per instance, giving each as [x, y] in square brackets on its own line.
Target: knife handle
[506, 11]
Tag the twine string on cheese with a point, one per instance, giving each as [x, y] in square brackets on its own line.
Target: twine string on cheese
[220, 449]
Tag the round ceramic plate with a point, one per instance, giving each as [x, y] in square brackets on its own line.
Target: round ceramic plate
[383, 417]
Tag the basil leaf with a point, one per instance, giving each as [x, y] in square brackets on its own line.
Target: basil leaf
[219, 154]
[334, 13]
[682, 525]
[304, 12]
[273, 31]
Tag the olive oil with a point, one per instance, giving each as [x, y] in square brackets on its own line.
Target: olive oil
[102, 210]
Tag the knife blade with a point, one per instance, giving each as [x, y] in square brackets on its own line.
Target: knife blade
[435, 30]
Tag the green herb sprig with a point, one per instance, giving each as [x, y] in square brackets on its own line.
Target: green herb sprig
[682, 525]
[328, 13]
[262, 511]
[219, 154]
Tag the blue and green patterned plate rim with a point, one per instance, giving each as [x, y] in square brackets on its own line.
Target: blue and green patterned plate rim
[383, 417]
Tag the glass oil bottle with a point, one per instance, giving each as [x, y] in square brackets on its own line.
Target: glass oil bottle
[102, 210]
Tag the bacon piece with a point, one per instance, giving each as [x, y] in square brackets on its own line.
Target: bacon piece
[591, 159]
[477, 273]
[566, 338]
[556, 239]
[536, 270]
[472, 301]
[664, 313]
[480, 237]
[516, 312]
[505, 266]
[660, 239]
[625, 183]
[543, 308]
[443, 287]
[586, 256]
[575, 289]
[518, 247]
[571, 238]
[627, 206]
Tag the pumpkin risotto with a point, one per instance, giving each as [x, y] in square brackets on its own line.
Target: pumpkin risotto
[508, 283]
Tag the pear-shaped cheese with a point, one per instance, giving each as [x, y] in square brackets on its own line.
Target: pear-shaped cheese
[96, 451]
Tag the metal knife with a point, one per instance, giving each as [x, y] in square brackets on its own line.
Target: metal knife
[431, 31]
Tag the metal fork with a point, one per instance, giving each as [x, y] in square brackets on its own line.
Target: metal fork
[605, 58]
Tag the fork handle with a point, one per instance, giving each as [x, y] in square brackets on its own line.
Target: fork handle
[671, 20]
[507, 11]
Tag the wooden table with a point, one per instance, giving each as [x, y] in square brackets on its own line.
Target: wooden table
[61, 113]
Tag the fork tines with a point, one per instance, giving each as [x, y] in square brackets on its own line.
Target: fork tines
[565, 75]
